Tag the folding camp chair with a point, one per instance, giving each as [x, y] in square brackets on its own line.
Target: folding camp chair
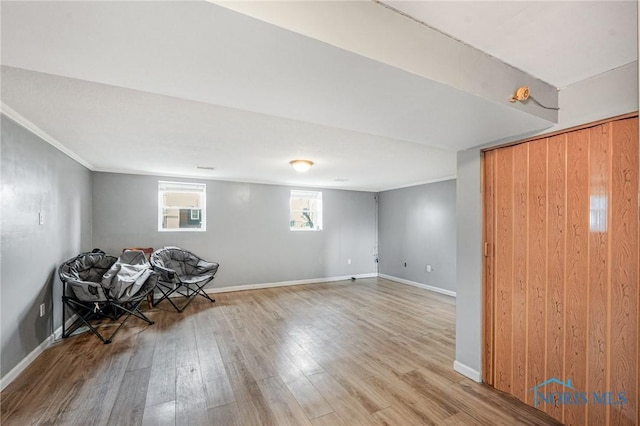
[147, 254]
[182, 272]
[85, 294]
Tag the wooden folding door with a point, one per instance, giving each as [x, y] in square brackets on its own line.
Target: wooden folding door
[561, 266]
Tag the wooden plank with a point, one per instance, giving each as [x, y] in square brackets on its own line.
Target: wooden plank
[283, 406]
[345, 406]
[556, 255]
[63, 392]
[504, 270]
[361, 390]
[160, 415]
[229, 348]
[313, 404]
[128, 408]
[191, 403]
[186, 346]
[302, 359]
[162, 386]
[248, 394]
[577, 266]
[537, 266]
[208, 350]
[393, 416]
[458, 419]
[143, 350]
[493, 408]
[421, 406]
[218, 391]
[520, 266]
[109, 388]
[227, 415]
[624, 269]
[331, 419]
[599, 278]
[489, 215]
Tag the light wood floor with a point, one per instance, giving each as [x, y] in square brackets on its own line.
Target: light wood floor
[353, 353]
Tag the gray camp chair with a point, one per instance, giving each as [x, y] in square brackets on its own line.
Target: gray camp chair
[99, 287]
[182, 272]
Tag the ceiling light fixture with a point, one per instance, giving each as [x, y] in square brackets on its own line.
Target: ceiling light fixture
[301, 165]
[205, 167]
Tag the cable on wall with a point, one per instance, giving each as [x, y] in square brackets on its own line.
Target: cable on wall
[523, 93]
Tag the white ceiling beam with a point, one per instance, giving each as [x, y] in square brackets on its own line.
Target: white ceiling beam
[377, 32]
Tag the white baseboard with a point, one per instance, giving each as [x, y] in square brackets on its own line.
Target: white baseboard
[420, 285]
[287, 283]
[22, 365]
[26, 361]
[57, 335]
[467, 371]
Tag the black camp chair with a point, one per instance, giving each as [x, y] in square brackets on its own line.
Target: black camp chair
[84, 294]
[182, 272]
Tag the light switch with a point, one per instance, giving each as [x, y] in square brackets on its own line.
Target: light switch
[41, 218]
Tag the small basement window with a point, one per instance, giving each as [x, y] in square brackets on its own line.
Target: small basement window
[181, 206]
[305, 212]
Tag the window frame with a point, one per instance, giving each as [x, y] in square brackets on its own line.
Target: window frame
[202, 192]
[317, 198]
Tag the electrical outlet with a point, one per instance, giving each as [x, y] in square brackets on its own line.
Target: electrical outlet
[41, 218]
[42, 310]
[429, 268]
[348, 261]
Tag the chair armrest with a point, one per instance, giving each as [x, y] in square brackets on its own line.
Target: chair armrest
[87, 291]
[165, 272]
[204, 266]
[80, 282]
[148, 286]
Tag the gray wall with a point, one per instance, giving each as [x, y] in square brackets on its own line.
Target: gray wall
[468, 263]
[247, 229]
[417, 225]
[606, 95]
[36, 177]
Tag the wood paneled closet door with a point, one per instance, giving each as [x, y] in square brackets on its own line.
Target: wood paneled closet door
[561, 270]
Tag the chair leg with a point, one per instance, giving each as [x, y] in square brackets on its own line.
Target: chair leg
[189, 292]
[205, 294]
[130, 312]
[83, 319]
[85, 315]
[170, 289]
[135, 311]
[168, 299]
[197, 291]
[189, 300]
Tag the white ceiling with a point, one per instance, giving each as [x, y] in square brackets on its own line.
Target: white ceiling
[139, 132]
[560, 42]
[162, 87]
